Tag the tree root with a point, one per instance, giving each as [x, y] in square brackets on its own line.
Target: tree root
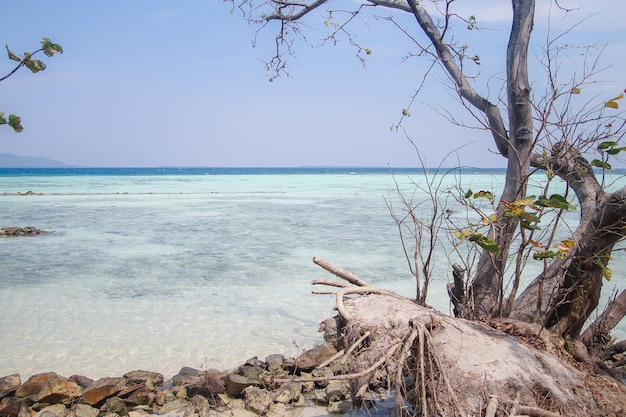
[436, 365]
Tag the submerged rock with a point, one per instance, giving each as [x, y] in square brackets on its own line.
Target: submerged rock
[21, 231]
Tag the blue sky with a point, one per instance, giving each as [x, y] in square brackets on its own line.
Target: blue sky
[150, 83]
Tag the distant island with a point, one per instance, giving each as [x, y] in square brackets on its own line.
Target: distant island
[9, 160]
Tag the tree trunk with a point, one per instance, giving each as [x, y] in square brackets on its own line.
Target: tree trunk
[571, 287]
[486, 288]
[598, 331]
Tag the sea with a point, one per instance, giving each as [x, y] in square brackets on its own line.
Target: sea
[162, 268]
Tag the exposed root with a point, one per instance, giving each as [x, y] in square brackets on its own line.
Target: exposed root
[436, 365]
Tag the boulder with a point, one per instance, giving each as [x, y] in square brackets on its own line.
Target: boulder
[55, 410]
[257, 400]
[150, 379]
[84, 410]
[235, 384]
[9, 384]
[49, 388]
[115, 405]
[103, 388]
[207, 386]
[316, 356]
[288, 393]
[10, 407]
[199, 406]
[337, 391]
[137, 394]
[274, 361]
[186, 375]
[83, 381]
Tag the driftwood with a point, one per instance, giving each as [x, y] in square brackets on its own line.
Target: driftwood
[437, 365]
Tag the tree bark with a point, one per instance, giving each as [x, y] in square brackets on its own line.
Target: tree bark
[572, 286]
[606, 321]
[486, 287]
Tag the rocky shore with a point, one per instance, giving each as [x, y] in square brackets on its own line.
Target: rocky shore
[257, 387]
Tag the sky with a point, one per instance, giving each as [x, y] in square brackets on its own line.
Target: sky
[163, 83]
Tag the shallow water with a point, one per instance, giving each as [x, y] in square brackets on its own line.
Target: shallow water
[158, 272]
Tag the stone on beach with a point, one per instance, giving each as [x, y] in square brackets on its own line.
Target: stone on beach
[246, 391]
[103, 388]
[49, 388]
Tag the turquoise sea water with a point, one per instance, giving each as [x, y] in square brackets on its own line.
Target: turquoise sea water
[162, 268]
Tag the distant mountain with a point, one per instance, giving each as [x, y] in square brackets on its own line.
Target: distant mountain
[8, 160]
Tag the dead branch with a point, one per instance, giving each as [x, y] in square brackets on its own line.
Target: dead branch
[341, 273]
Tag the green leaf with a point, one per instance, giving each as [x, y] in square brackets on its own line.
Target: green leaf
[485, 243]
[34, 65]
[606, 145]
[555, 201]
[528, 225]
[15, 122]
[547, 254]
[487, 195]
[615, 151]
[50, 48]
[3, 120]
[600, 164]
[469, 193]
[12, 56]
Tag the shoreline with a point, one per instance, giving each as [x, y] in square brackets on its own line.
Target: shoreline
[256, 387]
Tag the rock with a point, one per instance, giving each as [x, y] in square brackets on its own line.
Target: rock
[332, 331]
[174, 407]
[83, 381]
[340, 407]
[49, 388]
[198, 407]
[336, 391]
[83, 410]
[150, 379]
[254, 361]
[207, 386]
[137, 394]
[289, 393]
[253, 373]
[257, 400]
[274, 361]
[322, 373]
[186, 375]
[9, 407]
[160, 398]
[313, 357]
[21, 231]
[102, 389]
[235, 384]
[57, 410]
[9, 384]
[115, 405]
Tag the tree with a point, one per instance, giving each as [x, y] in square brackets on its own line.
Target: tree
[544, 133]
[34, 65]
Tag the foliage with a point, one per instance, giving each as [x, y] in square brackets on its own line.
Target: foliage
[34, 65]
